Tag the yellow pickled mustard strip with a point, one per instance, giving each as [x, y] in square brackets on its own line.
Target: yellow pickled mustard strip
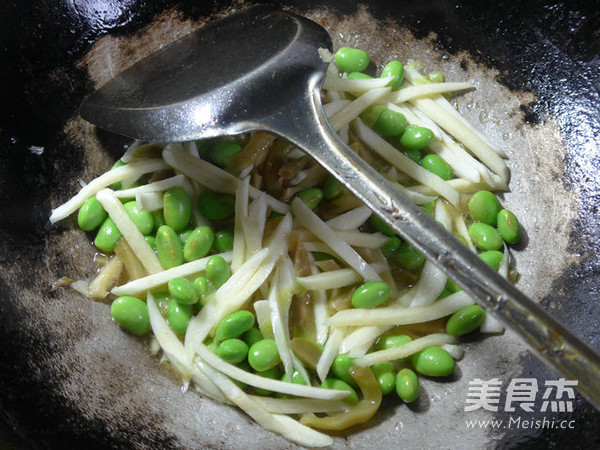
[359, 414]
[107, 277]
[132, 264]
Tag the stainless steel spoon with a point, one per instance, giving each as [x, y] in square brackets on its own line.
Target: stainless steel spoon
[260, 69]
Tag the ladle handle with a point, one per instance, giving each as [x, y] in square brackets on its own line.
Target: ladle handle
[553, 343]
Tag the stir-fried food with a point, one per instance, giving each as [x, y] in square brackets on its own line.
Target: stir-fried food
[268, 285]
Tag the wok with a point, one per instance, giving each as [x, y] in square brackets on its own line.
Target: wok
[69, 379]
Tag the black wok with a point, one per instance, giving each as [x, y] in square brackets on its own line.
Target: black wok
[68, 379]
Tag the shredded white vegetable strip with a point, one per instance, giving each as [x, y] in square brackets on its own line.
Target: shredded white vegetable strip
[366, 240]
[330, 352]
[426, 90]
[392, 354]
[432, 280]
[213, 177]
[352, 110]
[269, 384]
[358, 342]
[264, 262]
[330, 280]
[279, 331]
[336, 83]
[133, 170]
[310, 220]
[149, 201]
[351, 219]
[241, 212]
[238, 289]
[263, 318]
[129, 230]
[391, 154]
[402, 316]
[157, 186]
[448, 107]
[162, 278]
[284, 425]
[173, 350]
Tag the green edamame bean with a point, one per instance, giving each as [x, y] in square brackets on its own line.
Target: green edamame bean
[198, 243]
[222, 152]
[297, 378]
[392, 341]
[359, 76]
[215, 206]
[252, 336]
[409, 257]
[263, 355]
[493, 258]
[217, 271]
[484, 207]
[178, 316]
[273, 373]
[232, 350]
[436, 165]
[177, 208]
[184, 235]
[433, 362]
[452, 286]
[391, 246]
[159, 218]
[436, 76]
[485, 236]
[107, 236]
[204, 289]
[390, 123]
[333, 383]
[371, 294]
[311, 197]
[509, 226]
[182, 290]
[416, 137]
[212, 345]
[387, 382]
[223, 240]
[407, 385]
[465, 320]
[91, 214]
[131, 314]
[143, 220]
[168, 247]
[382, 367]
[349, 59]
[370, 115]
[385, 376]
[234, 325]
[332, 188]
[381, 226]
[341, 368]
[414, 154]
[394, 69]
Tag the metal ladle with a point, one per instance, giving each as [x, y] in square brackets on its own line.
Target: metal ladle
[260, 69]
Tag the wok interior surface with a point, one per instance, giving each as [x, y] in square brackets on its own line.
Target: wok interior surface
[70, 379]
